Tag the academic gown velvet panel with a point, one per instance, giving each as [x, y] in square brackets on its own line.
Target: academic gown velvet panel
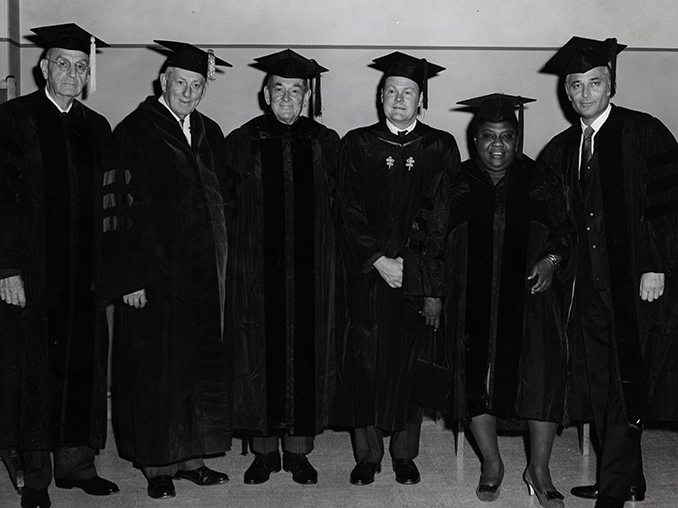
[509, 345]
[282, 270]
[384, 180]
[637, 160]
[165, 232]
[53, 351]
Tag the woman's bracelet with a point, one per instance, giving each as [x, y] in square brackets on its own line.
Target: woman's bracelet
[554, 260]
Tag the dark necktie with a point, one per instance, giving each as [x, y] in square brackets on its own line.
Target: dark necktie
[586, 149]
[402, 134]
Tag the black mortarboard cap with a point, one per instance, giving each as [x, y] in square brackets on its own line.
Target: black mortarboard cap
[68, 36]
[580, 55]
[418, 70]
[191, 58]
[289, 64]
[499, 107]
[71, 36]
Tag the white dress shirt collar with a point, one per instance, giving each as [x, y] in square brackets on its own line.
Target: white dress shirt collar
[185, 124]
[395, 129]
[598, 122]
[49, 96]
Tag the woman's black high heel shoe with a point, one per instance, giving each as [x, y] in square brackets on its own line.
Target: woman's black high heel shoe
[488, 493]
[549, 498]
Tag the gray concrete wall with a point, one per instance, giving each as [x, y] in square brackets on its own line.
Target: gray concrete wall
[10, 57]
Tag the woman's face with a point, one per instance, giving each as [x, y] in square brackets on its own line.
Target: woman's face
[496, 145]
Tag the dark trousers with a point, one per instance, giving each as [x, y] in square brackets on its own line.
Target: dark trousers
[620, 461]
[291, 444]
[173, 469]
[368, 443]
[70, 463]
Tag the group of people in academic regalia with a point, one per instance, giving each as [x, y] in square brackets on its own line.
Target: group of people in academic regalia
[280, 281]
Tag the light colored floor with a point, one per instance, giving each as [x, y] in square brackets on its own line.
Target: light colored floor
[448, 480]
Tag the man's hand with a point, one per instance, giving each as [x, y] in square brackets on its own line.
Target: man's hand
[391, 270]
[431, 311]
[543, 270]
[12, 291]
[651, 286]
[136, 299]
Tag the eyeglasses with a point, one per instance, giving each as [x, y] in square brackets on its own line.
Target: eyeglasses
[65, 66]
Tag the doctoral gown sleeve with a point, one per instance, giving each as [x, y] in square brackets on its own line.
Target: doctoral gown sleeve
[659, 164]
[13, 208]
[659, 160]
[425, 268]
[131, 259]
[549, 192]
[364, 245]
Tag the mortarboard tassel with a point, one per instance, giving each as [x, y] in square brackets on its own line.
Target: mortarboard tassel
[211, 65]
[92, 64]
[521, 123]
[317, 100]
[613, 65]
[424, 82]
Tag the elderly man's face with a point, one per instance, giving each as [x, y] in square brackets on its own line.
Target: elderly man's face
[287, 98]
[182, 90]
[401, 99]
[496, 144]
[66, 72]
[589, 92]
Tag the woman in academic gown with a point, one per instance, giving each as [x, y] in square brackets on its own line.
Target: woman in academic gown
[509, 236]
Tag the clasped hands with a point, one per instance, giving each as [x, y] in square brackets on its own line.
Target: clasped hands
[391, 270]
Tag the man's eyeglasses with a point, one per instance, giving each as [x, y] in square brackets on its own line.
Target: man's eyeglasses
[65, 66]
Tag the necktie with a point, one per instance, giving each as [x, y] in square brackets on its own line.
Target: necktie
[402, 133]
[586, 149]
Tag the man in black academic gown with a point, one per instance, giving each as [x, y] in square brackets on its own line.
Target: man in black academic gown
[54, 341]
[388, 173]
[282, 270]
[620, 169]
[165, 255]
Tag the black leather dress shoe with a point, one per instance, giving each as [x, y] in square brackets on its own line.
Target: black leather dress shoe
[609, 502]
[406, 471]
[202, 476]
[35, 498]
[161, 487]
[585, 491]
[363, 473]
[264, 464]
[636, 493]
[93, 486]
[302, 470]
